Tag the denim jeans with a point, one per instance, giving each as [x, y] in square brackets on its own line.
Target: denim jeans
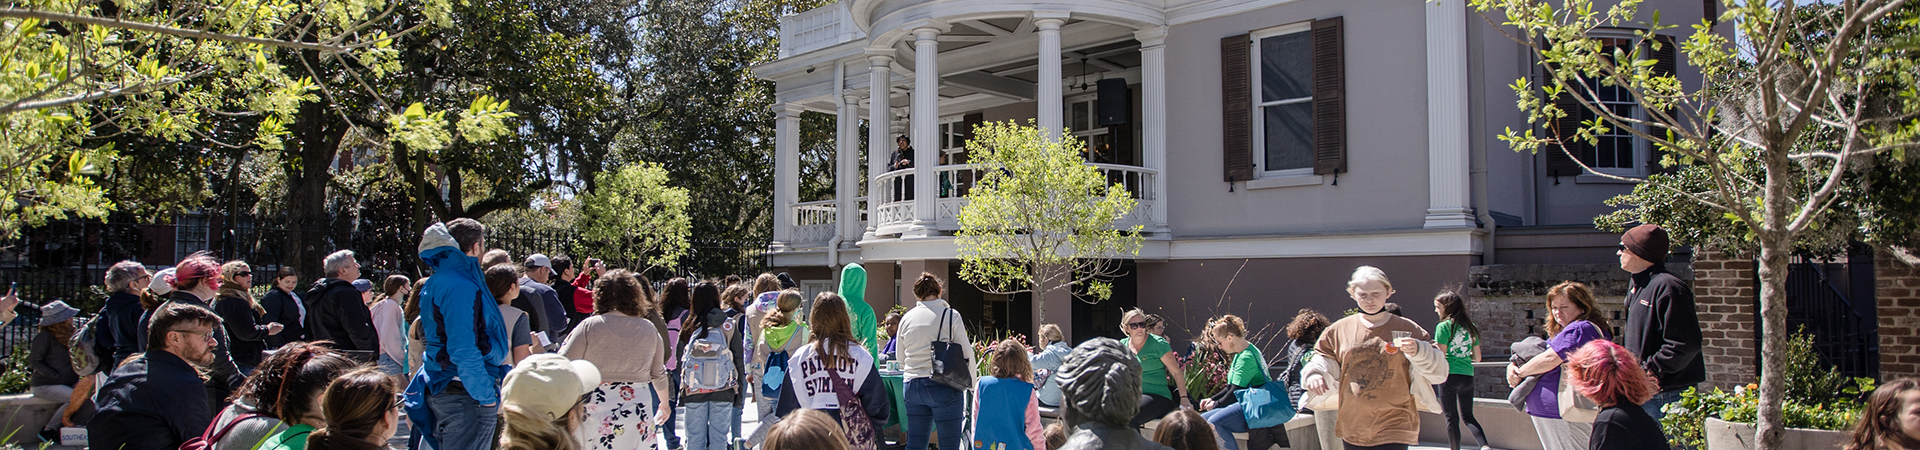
[460, 423]
[708, 424]
[1227, 421]
[672, 403]
[931, 404]
[1653, 405]
[389, 366]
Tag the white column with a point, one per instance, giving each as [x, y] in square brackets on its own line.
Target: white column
[879, 120]
[846, 166]
[786, 169]
[1047, 25]
[1153, 115]
[926, 127]
[1449, 199]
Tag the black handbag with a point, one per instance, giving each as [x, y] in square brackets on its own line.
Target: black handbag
[949, 364]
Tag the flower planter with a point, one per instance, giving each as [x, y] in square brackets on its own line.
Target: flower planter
[1724, 435]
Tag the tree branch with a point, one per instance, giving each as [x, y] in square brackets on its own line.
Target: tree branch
[161, 29]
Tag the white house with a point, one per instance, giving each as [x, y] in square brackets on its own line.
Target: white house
[1273, 145]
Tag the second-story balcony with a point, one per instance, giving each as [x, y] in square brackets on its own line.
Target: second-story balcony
[894, 214]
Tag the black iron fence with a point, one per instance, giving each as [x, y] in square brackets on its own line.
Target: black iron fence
[1846, 338]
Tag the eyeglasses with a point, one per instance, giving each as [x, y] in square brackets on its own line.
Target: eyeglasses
[399, 400]
[208, 334]
[1623, 247]
[243, 274]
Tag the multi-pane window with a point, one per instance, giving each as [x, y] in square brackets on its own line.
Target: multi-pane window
[1083, 115]
[189, 235]
[1615, 150]
[1283, 100]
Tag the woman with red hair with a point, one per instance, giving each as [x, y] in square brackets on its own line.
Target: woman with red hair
[196, 281]
[1612, 377]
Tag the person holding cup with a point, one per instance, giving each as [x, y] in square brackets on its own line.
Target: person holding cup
[1377, 368]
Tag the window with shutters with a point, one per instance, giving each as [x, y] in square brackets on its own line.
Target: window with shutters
[1083, 115]
[1283, 119]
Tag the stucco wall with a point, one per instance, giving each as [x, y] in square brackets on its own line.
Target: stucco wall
[1268, 292]
[1386, 97]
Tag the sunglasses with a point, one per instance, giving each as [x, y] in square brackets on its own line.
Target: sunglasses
[1140, 324]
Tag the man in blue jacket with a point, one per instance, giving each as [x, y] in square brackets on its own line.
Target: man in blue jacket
[456, 394]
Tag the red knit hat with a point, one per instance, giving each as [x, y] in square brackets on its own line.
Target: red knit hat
[1647, 241]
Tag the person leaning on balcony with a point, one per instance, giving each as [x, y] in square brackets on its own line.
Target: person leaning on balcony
[1379, 382]
[902, 160]
[1157, 363]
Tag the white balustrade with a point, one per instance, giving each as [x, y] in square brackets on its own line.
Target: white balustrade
[896, 207]
[814, 222]
[816, 29]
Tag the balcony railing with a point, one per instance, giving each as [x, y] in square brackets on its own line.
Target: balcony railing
[814, 222]
[816, 29]
[896, 207]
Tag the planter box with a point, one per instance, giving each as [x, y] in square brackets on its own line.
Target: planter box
[1724, 435]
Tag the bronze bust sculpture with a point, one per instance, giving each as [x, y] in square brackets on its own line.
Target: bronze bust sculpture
[1100, 392]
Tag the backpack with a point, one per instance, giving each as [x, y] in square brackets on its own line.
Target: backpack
[707, 363]
[776, 375]
[209, 437]
[89, 356]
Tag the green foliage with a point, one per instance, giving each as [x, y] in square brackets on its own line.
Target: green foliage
[15, 379]
[636, 219]
[1040, 218]
[1818, 397]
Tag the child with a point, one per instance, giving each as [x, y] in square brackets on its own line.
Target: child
[1459, 339]
[1184, 429]
[780, 335]
[806, 429]
[1002, 423]
[710, 389]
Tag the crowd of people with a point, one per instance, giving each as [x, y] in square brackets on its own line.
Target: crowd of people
[543, 355]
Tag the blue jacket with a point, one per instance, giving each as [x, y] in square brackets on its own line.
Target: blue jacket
[464, 334]
[153, 402]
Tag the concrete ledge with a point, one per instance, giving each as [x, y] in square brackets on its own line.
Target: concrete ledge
[24, 415]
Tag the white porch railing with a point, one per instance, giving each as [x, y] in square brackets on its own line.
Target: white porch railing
[816, 29]
[814, 222]
[896, 206]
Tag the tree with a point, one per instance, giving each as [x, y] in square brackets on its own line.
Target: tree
[1040, 219]
[1795, 100]
[635, 219]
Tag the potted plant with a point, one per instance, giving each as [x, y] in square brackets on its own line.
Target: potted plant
[1820, 408]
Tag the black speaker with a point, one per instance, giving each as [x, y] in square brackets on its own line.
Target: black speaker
[1113, 102]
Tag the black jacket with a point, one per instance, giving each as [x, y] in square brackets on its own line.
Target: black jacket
[335, 313]
[1626, 427]
[222, 375]
[121, 331]
[52, 364]
[282, 307]
[246, 334]
[1663, 330]
[151, 403]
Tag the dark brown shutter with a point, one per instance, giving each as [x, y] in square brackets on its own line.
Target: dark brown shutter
[1560, 158]
[1665, 63]
[1329, 97]
[1236, 99]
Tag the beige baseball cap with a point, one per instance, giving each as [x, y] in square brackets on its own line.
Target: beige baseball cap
[550, 384]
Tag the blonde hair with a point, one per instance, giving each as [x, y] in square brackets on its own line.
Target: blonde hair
[523, 430]
[788, 301]
[1050, 334]
[806, 429]
[1130, 314]
[1230, 325]
[228, 288]
[764, 283]
[1365, 274]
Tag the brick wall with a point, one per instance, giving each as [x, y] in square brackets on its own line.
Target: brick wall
[1510, 303]
[1726, 302]
[1897, 287]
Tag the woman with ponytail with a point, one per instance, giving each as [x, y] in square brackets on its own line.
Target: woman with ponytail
[242, 317]
[780, 335]
[1459, 340]
[281, 400]
[362, 410]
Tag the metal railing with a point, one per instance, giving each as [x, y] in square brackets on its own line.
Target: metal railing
[1844, 338]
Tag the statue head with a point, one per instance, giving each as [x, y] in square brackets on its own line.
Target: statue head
[1100, 382]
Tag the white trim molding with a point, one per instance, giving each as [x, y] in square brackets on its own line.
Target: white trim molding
[1449, 193]
[1455, 241]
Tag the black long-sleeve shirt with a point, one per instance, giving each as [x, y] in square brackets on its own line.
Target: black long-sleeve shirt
[246, 334]
[1626, 427]
[1663, 329]
[151, 403]
[122, 331]
[283, 308]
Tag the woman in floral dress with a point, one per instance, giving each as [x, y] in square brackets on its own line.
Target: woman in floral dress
[629, 353]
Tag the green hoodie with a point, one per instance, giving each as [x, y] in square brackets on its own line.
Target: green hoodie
[853, 287]
[776, 337]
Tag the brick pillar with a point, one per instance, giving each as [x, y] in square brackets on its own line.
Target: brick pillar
[1897, 285]
[1726, 301]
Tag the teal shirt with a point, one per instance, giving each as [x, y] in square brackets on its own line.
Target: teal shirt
[1458, 346]
[1153, 372]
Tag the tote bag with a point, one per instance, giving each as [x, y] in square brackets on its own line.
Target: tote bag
[1575, 407]
[1265, 406]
